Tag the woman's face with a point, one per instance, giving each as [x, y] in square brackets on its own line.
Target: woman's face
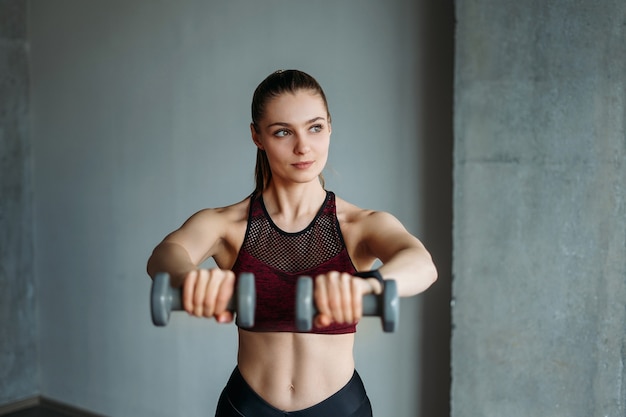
[295, 135]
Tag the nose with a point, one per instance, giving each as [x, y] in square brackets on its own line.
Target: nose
[301, 145]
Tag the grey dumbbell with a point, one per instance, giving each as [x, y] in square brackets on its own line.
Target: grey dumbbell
[386, 305]
[164, 299]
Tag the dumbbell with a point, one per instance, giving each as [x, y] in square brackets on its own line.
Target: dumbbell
[164, 299]
[386, 305]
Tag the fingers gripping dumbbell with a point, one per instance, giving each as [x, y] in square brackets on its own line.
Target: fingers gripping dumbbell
[385, 305]
[164, 299]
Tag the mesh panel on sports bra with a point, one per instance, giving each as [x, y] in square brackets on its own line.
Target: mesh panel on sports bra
[293, 252]
[277, 258]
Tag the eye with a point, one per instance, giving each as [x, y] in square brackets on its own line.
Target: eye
[281, 133]
[316, 128]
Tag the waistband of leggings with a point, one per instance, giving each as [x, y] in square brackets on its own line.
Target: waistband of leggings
[344, 402]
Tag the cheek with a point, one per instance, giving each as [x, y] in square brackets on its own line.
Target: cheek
[277, 152]
[322, 151]
[324, 145]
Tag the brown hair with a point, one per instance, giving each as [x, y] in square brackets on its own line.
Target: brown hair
[277, 83]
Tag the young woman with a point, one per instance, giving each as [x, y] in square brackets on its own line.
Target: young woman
[291, 226]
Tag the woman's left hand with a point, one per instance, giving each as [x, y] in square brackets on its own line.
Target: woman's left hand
[339, 297]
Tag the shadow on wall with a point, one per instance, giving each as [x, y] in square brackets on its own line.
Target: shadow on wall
[437, 59]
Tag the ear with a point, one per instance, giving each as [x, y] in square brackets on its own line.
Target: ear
[255, 137]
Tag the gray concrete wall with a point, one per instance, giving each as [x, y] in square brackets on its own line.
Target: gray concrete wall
[539, 286]
[18, 324]
[140, 118]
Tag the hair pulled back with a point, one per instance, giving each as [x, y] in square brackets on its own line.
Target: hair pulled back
[276, 84]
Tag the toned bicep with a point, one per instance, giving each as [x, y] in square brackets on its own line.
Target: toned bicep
[384, 236]
[200, 236]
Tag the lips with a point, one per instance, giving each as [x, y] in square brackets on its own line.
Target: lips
[302, 165]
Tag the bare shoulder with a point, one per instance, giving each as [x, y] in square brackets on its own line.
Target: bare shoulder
[216, 232]
[368, 234]
[371, 234]
[228, 214]
[220, 216]
[352, 216]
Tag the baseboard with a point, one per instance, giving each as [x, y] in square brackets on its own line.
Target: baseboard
[48, 404]
[66, 409]
[19, 405]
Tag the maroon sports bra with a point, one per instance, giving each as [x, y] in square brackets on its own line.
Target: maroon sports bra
[277, 258]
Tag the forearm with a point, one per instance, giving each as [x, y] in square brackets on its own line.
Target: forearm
[412, 269]
[171, 258]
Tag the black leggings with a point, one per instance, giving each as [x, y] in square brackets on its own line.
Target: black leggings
[239, 400]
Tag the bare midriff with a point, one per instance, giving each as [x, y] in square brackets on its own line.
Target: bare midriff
[294, 371]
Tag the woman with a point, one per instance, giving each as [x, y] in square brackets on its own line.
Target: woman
[291, 226]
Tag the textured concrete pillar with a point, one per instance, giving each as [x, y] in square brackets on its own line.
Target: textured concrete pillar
[18, 347]
[539, 309]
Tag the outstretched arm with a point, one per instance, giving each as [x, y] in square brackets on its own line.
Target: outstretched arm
[404, 258]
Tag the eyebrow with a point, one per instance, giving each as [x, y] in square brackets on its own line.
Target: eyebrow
[285, 124]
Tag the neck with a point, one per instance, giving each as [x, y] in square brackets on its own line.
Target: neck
[293, 207]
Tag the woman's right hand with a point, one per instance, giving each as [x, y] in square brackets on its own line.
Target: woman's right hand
[206, 293]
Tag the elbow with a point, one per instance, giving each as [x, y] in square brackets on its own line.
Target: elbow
[150, 268]
[149, 272]
[432, 274]
[429, 273]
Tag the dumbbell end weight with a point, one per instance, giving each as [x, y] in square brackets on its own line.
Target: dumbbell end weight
[163, 299]
[246, 300]
[305, 308]
[385, 305]
[391, 306]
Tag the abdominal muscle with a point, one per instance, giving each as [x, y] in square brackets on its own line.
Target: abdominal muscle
[294, 371]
